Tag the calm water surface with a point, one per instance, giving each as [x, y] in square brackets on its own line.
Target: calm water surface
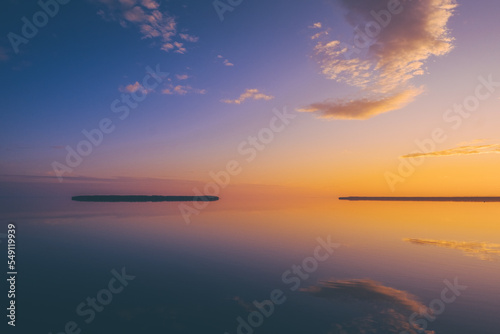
[392, 264]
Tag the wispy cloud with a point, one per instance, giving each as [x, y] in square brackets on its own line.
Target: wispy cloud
[388, 308]
[170, 87]
[318, 25]
[225, 61]
[319, 34]
[394, 56]
[182, 90]
[481, 250]
[151, 22]
[189, 38]
[249, 94]
[182, 76]
[461, 150]
[362, 108]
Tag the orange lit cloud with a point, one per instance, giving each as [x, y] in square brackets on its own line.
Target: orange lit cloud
[249, 94]
[363, 108]
[319, 34]
[481, 250]
[462, 150]
[316, 25]
[132, 88]
[393, 55]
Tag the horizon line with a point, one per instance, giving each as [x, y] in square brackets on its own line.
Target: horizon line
[423, 198]
[143, 198]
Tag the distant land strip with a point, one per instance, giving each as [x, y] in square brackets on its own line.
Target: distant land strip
[139, 198]
[423, 199]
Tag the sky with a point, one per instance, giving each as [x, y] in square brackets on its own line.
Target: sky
[330, 97]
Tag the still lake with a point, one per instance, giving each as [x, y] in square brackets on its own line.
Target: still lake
[282, 266]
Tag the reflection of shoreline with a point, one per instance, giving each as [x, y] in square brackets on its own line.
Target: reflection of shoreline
[422, 199]
[140, 198]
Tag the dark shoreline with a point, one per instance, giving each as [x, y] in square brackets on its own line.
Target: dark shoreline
[140, 198]
[422, 199]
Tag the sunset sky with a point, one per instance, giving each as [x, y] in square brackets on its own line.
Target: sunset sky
[429, 74]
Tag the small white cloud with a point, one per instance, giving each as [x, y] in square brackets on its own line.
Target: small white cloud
[225, 61]
[182, 90]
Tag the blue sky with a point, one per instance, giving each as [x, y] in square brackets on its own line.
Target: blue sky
[91, 52]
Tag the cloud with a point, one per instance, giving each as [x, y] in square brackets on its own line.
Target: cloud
[180, 48]
[182, 76]
[481, 250]
[150, 4]
[362, 108]
[252, 94]
[132, 88]
[182, 90]
[316, 25]
[319, 34]
[135, 14]
[189, 38]
[461, 150]
[225, 61]
[388, 309]
[383, 57]
[151, 22]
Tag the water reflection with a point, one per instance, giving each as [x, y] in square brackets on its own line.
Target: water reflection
[386, 309]
[188, 275]
[481, 250]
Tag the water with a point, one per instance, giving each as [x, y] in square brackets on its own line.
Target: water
[392, 260]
